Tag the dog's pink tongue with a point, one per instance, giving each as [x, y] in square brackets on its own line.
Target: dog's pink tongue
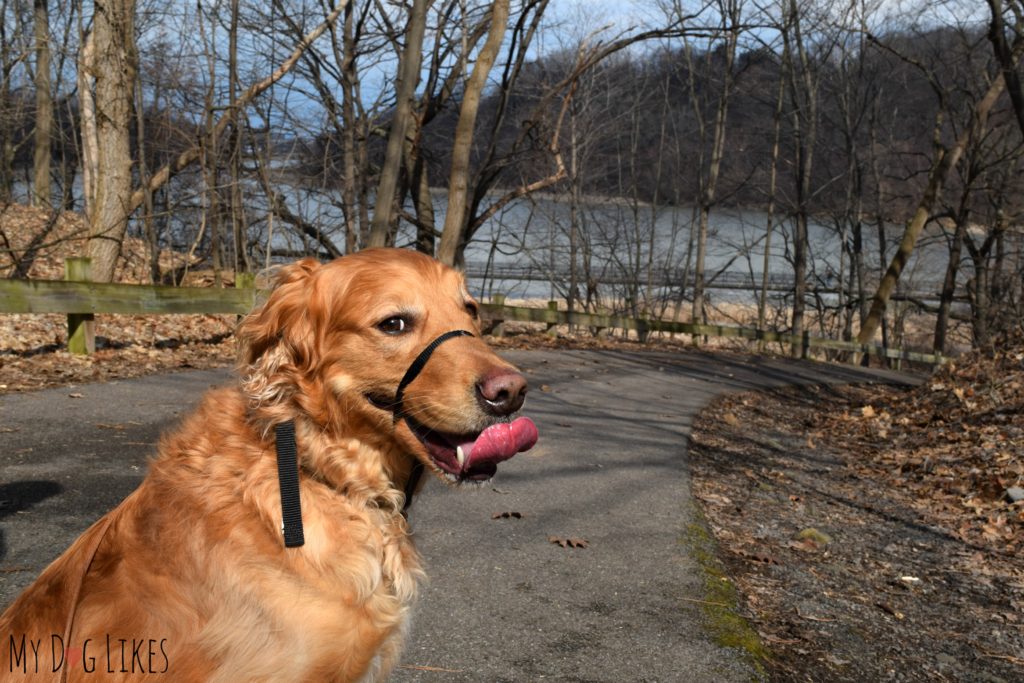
[499, 442]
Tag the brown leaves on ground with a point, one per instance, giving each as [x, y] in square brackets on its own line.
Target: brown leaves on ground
[569, 541]
[33, 347]
[956, 443]
[920, 577]
[34, 244]
[33, 355]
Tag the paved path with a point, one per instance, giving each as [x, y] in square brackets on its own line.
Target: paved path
[502, 603]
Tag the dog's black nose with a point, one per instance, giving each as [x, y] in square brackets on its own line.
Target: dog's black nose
[501, 392]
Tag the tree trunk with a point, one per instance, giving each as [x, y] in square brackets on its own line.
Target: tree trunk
[349, 77]
[936, 179]
[148, 224]
[730, 12]
[762, 303]
[574, 210]
[419, 185]
[949, 282]
[381, 230]
[115, 70]
[213, 213]
[41, 192]
[805, 122]
[1008, 55]
[697, 311]
[87, 121]
[453, 235]
[237, 207]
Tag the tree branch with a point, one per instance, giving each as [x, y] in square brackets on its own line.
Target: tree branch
[192, 154]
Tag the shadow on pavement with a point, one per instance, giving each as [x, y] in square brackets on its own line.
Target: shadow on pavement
[22, 495]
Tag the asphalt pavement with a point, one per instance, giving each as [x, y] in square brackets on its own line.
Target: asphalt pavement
[503, 603]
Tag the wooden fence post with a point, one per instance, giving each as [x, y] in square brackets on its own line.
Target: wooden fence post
[643, 330]
[81, 326]
[498, 326]
[552, 328]
[245, 280]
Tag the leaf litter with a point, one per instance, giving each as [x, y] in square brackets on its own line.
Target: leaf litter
[33, 351]
[921, 576]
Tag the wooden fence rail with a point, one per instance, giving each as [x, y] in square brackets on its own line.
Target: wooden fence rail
[80, 300]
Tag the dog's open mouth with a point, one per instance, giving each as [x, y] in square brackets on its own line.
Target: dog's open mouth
[475, 457]
[469, 457]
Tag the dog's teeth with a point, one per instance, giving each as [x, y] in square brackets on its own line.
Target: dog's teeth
[460, 455]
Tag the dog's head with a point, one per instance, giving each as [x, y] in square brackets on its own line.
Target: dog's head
[333, 343]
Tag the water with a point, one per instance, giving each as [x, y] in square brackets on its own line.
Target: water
[619, 241]
[623, 241]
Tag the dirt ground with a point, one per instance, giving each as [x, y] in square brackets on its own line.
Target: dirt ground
[869, 530]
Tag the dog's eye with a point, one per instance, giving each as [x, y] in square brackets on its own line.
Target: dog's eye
[472, 308]
[394, 325]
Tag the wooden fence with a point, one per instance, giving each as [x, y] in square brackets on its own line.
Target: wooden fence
[80, 300]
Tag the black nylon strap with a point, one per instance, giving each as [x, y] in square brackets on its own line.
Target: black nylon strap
[288, 480]
[418, 364]
[411, 374]
[410, 485]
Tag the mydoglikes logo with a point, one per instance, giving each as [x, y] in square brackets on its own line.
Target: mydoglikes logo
[107, 655]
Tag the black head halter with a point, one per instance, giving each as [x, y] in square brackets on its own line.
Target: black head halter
[417, 366]
[287, 464]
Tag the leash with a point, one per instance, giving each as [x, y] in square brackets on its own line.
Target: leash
[288, 482]
[287, 452]
[94, 546]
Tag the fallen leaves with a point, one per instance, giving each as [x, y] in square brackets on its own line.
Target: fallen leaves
[813, 538]
[917, 490]
[715, 499]
[32, 354]
[57, 237]
[956, 443]
[889, 609]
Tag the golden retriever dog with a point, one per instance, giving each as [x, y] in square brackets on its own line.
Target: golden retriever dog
[190, 578]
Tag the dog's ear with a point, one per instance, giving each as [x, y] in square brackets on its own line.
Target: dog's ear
[277, 342]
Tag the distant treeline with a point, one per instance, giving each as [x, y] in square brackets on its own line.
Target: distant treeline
[639, 132]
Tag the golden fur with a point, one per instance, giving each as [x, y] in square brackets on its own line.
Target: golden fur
[193, 562]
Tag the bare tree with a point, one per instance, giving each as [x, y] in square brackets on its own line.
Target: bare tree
[41, 193]
[729, 12]
[944, 161]
[1008, 52]
[804, 95]
[458, 182]
[773, 172]
[114, 69]
[381, 230]
[14, 51]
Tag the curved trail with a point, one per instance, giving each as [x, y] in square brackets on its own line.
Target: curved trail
[502, 602]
